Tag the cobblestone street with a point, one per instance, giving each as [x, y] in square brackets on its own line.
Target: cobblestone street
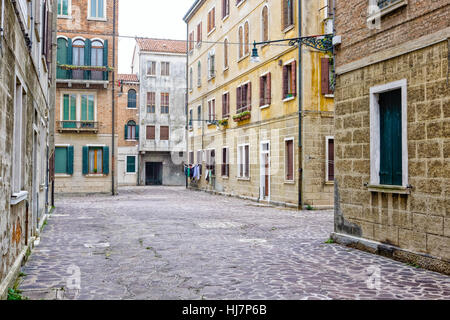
[171, 243]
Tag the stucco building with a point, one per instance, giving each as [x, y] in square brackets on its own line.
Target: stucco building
[161, 69]
[86, 139]
[27, 84]
[262, 130]
[393, 129]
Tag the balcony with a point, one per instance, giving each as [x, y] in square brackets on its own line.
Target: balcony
[77, 126]
[85, 75]
[379, 8]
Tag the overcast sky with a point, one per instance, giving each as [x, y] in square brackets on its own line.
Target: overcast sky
[149, 18]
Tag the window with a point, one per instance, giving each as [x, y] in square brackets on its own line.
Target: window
[164, 133]
[265, 24]
[61, 57]
[165, 68]
[288, 13]
[289, 160]
[265, 90]
[164, 102]
[211, 110]
[191, 115]
[211, 20]
[326, 79]
[131, 164]
[131, 99]
[238, 2]
[19, 142]
[151, 98]
[225, 8]
[199, 113]
[225, 105]
[151, 68]
[150, 134]
[211, 161]
[199, 74]
[199, 156]
[95, 160]
[78, 105]
[289, 80]
[63, 8]
[225, 54]
[225, 162]
[241, 41]
[211, 64]
[191, 157]
[191, 79]
[69, 114]
[97, 53]
[191, 41]
[243, 161]
[97, 9]
[199, 33]
[78, 58]
[246, 38]
[64, 160]
[244, 97]
[131, 131]
[329, 152]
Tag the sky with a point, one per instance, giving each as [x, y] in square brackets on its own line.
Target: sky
[149, 18]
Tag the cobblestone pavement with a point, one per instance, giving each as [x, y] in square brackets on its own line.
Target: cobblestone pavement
[171, 243]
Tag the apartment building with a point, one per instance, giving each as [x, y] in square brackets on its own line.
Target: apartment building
[392, 129]
[160, 66]
[27, 84]
[264, 130]
[86, 139]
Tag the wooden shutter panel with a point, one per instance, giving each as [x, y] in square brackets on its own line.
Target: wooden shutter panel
[164, 133]
[70, 160]
[69, 57]
[325, 75]
[331, 160]
[105, 160]
[238, 99]
[294, 77]
[269, 89]
[285, 81]
[213, 18]
[137, 133]
[261, 91]
[87, 58]
[249, 96]
[126, 132]
[85, 160]
[284, 17]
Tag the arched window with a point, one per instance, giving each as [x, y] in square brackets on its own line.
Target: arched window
[246, 38]
[132, 99]
[225, 53]
[78, 58]
[191, 79]
[131, 132]
[97, 59]
[265, 24]
[241, 41]
[199, 74]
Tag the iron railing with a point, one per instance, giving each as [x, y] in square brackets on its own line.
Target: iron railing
[78, 126]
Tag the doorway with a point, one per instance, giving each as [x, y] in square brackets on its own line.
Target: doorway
[265, 171]
[153, 173]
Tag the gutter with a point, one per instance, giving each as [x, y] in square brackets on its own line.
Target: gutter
[113, 191]
[300, 109]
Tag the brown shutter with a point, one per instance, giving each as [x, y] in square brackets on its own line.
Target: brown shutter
[164, 133]
[213, 17]
[325, 75]
[269, 89]
[294, 77]
[290, 164]
[238, 99]
[331, 160]
[261, 91]
[249, 96]
[284, 17]
[285, 81]
[150, 133]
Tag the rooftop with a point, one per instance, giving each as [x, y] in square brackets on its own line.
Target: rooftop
[162, 45]
[128, 77]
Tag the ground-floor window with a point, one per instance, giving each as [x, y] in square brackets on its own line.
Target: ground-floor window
[289, 159]
[95, 160]
[225, 162]
[131, 164]
[211, 161]
[64, 160]
[329, 145]
[243, 160]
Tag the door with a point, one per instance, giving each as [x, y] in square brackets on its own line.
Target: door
[265, 171]
[35, 187]
[153, 173]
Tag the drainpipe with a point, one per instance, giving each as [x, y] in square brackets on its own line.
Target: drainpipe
[300, 109]
[187, 98]
[2, 24]
[113, 99]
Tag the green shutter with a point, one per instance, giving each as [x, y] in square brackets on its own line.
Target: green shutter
[126, 132]
[105, 160]
[87, 58]
[390, 138]
[83, 107]
[137, 133]
[69, 57]
[60, 160]
[91, 108]
[105, 59]
[70, 160]
[85, 160]
[61, 58]
[131, 164]
[66, 107]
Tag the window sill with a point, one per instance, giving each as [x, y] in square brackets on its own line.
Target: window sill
[64, 17]
[265, 106]
[329, 96]
[288, 99]
[131, 140]
[130, 173]
[212, 30]
[226, 69]
[243, 179]
[225, 177]
[226, 17]
[389, 189]
[95, 175]
[97, 19]
[288, 28]
[387, 9]
[289, 182]
[18, 197]
[244, 57]
[240, 3]
[63, 175]
[329, 183]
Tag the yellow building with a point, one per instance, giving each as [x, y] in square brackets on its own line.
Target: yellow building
[244, 116]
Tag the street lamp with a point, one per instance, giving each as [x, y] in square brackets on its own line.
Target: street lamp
[255, 57]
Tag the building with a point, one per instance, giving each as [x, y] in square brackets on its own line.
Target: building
[86, 139]
[161, 69]
[128, 129]
[27, 84]
[261, 131]
[392, 129]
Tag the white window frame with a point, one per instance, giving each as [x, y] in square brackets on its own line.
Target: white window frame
[215, 115]
[200, 151]
[241, 153]
[262, 168]
[199, 74]
[211, 64]
[69, 10]
[215, 24]
[286, 159]
[20, 90]
[375, 161]
[89, 17]
[327, 139]
[135, 164]
[227, 161]
[168, 66]
[146, 71]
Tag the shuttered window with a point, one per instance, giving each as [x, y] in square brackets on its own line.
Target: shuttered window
[330, 159]
[289, 155]
[165, 68]
[225, 8]
[290, 80]
[246, 38]
[265, 23]
[151, 97]
[212, 110]
[164, 102]
[390, 138]
[241, 41]
[95, 160]
[265, 89]
[244, 98]
[288, 13]
[211, 161]
[243, 158]
[225, 163]
[225, 105]
[151, 68]
[326, 75]
[199, 33]
[131, 131]
[150, 134]
[191, 41]
[131, 164]
[164, 133]
[225, 53]
[131, 99]
[211, 19]
[64, 160]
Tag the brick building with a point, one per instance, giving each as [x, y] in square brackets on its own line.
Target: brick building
[393, 129]
[27, 85]
[128, 129]
[261, 131]
[87, 50]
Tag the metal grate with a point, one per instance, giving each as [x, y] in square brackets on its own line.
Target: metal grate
[384, 3]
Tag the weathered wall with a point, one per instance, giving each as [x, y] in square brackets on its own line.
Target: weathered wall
[172, 175]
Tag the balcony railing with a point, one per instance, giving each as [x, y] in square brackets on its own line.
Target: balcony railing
[77, 126]
[82, 73]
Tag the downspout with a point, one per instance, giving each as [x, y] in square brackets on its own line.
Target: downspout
[187, 99]
[2, 25]
[113, 191]
[300, 110]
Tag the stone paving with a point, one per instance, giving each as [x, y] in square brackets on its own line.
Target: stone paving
[172, 243]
